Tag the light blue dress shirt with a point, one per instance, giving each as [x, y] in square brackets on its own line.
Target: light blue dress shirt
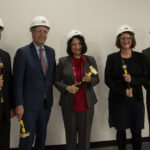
[43, 51]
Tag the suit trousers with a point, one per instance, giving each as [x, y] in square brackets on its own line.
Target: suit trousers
[4, 134]
[36, 124]
[148, 107]
[78, 126]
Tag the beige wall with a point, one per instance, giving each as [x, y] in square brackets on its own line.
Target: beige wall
[98, 20]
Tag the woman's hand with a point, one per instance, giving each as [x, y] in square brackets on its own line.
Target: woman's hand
[129, 92]
[127, 78]
[72, 88]
[86, 78]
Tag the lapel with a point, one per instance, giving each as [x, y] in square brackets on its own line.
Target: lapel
[70, 67]
[119, 59]
[131, 64]
[36, 57]
[133, 61]
[49, 61]
[117, 64]
[86, 66]
[147, 55]
[2, 58]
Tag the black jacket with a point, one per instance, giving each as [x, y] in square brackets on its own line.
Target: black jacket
[114, 76]
[146, 54]
[6, 92]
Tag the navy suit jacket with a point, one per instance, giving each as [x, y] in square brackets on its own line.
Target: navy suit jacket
[29, 80]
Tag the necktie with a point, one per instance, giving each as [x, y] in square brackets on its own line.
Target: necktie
[43, 61]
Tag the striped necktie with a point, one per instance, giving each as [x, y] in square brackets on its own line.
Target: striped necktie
[43, 61]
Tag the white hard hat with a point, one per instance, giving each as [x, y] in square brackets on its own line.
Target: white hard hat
[40, 21]
[1, 24]
[124, 28]
[73, 33]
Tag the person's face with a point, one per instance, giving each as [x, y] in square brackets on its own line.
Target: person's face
[76, 47]
[125, 40]
[39, 35]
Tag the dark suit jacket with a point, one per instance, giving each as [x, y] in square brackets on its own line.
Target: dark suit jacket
[7, 86]
[146, 54]
[64, 77]
[28, 78]
[114, 76]
[6, 94]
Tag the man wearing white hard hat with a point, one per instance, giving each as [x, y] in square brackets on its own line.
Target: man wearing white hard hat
[33, 90]
[5, 96]
[125, 73]
[146, 53]
[77, 100]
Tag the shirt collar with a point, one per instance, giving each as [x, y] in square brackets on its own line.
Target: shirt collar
[38, 47]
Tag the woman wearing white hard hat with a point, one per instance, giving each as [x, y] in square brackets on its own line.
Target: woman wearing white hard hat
[76, 100]
[5, 96]
[124, 75]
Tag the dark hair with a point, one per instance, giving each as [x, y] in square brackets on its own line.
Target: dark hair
[81, 39]
[1, 28]
[132, 36]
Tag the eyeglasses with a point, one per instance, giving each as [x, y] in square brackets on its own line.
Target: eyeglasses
[125, 38]
[41, 31]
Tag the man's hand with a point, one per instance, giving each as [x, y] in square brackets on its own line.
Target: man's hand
[19, 111]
